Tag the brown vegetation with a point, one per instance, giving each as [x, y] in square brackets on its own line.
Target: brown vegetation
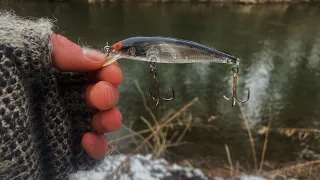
[215, 1]
[200, 1]
[159, 142]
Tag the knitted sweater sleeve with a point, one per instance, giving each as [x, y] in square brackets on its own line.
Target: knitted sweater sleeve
[26, 42]
[42, 111]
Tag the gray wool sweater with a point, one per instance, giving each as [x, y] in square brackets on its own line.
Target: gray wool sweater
[43, 115]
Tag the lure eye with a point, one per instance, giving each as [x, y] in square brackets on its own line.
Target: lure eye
[117, 46]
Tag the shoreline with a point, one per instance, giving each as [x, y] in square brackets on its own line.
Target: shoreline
[213, 2]
[207, 1]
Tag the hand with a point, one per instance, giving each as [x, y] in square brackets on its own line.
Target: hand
[103, 95]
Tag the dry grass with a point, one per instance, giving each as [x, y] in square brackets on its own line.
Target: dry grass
[178, 123]
[230, 160]
[158, 141]
[265, 144]
[254, 155]
[290, 132]
[160, 132]
[300, 169]
[158, 138]
[309, 169]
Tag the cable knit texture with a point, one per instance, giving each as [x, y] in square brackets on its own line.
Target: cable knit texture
[43, 114]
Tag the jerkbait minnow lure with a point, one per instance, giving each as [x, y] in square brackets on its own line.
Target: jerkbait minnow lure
[170, 50]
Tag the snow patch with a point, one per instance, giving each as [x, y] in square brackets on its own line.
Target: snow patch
[139, 167]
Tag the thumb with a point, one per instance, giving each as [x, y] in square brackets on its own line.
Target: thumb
[68, 56]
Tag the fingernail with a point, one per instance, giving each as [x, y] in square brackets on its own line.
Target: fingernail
[94, 55]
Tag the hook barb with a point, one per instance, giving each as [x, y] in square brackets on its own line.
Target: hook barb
[234, 94]
[156, 86]
[158, 96]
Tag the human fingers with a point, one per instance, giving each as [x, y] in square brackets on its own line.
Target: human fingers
[68, 56]
[95, 145]
[107, 121]
[102, 95]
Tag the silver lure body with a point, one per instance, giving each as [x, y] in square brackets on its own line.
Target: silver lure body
[167, 50]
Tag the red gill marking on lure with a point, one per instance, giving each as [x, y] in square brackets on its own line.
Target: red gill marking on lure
[117, 46]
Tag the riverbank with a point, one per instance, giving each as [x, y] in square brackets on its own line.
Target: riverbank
[181, 1]
[212, 1]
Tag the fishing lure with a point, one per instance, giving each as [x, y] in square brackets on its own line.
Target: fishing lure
[170, 50]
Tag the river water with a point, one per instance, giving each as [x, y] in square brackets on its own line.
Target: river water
[279, 48]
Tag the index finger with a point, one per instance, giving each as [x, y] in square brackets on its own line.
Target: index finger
[68, 56]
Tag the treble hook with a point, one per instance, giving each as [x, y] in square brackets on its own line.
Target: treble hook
[235, 70]
[156, 86]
